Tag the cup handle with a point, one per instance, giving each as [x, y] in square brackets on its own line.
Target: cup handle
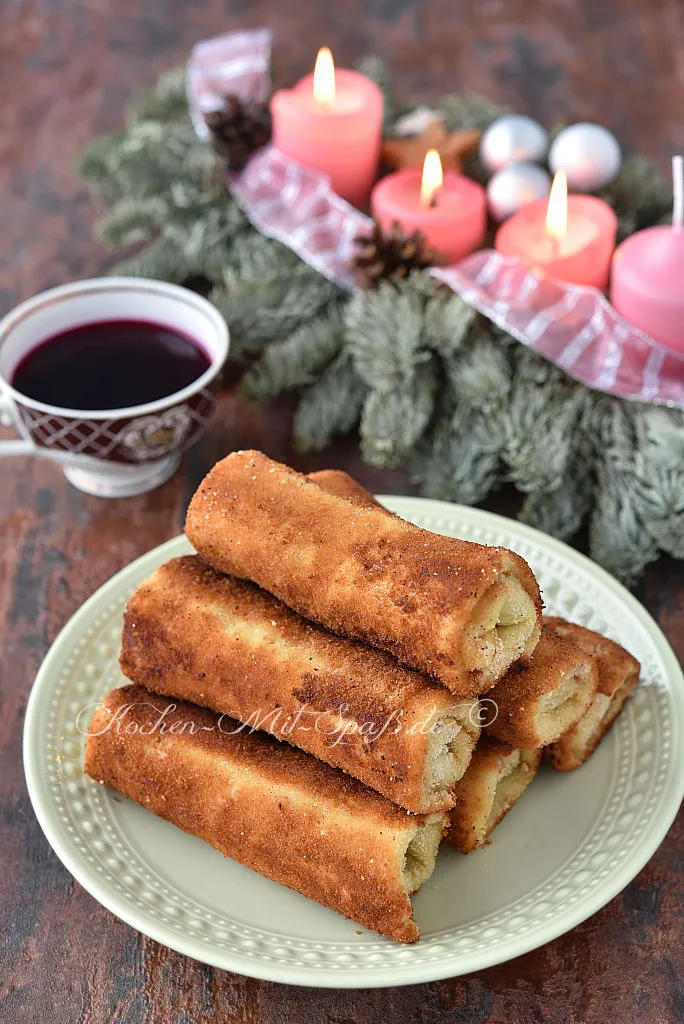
[23, 446]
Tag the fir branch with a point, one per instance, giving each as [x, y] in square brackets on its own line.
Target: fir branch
[660, 435]
[330, 406]
[539, 425]
[165, 102]
[263, 310]
[259, 256]
[267, 292]
[447, 318]
[463, 111]
[98, 161]
[392, 422]
[614, 431]
[481, 373]
[296, 361]
[132, 221]
[460, 461]
[162, 260]
[531, 368]
[561, 512]
[618, 539]
[213, 259]
[383, 330]
[153, 157]
[658, 495]
[216, 229]
[639, 195]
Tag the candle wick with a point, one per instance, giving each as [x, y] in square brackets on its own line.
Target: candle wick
[678, 192]
[433, 200]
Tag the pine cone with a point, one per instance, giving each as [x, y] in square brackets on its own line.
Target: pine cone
[239, 129]
[390, 256]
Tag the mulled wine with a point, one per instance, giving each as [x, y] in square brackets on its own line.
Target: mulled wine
[113, 364]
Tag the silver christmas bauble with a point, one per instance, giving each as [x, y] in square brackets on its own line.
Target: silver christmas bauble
[514, 187]
[589, 155]
[511, 139]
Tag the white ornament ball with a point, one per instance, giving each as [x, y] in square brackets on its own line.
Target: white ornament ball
[588, 153]
[514, 187]
[512, 139]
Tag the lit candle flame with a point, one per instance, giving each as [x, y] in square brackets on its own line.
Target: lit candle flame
[432, 178]
[557, 210]
[324, 79]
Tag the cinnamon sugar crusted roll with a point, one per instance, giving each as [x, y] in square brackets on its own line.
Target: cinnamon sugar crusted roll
[539, 700]
[281, 812]
[496, 778]
[618, 675]
[195, 634]
[458, 611]
[336, 481]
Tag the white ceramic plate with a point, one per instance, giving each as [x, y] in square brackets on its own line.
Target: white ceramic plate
[573, 842]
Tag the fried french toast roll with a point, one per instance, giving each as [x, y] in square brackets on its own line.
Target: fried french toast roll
[336, 481]
[281, 812]
[455, 610]
[618, 675]
[540, 699]
[497, 777]
[198, 635]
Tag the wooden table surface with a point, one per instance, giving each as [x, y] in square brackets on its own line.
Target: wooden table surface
[67, 67]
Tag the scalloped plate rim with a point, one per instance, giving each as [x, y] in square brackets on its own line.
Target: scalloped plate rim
[452, 965]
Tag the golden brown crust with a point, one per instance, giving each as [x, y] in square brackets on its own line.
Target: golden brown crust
[336, 481]
[269, 806]
[618, 676]
[540, 699]
[197, 635]
[613, 662]
[359, 571]
[496, 778]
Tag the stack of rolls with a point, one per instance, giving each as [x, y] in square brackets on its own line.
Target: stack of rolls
[328, 660]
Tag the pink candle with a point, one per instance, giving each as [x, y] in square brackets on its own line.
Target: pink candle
[332, 121]
[647, 283]
[452, 216]
[568, 237]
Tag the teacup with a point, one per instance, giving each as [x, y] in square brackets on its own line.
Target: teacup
[113, 452]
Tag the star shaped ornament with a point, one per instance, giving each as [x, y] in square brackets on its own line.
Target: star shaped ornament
[454, 148]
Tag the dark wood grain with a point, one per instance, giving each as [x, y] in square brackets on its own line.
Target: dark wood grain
[67, 68]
